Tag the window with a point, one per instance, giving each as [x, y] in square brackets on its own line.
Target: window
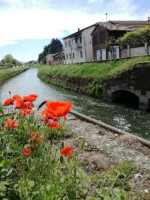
[70, 55]
[65, 44]
[73, 56]
[80, 39]
[69, 43]
[66, 56]
[81, 55]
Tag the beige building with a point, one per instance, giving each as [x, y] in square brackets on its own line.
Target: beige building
[78, 46]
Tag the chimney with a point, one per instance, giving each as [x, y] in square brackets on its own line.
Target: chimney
[78, 29]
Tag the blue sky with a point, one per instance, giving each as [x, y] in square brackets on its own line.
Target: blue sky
[28, 25]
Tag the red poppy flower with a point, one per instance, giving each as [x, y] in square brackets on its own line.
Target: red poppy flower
[39, 139]
[47, 114]
[59, 109]
[27, 151]
[28, 98]
[25, 112]
[11, 123]
[9, 102]
[66, 151]
[33, 134]
[33, 95]
[20, 104]
[16, 97]
[55, 125]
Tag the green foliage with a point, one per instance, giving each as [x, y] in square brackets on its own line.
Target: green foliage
[114, 184]
[9, 61]
[55, 46]
[95, 73]
[91, 70]
[44, 174]
[136, 38]
[52, 48]
[8, 73]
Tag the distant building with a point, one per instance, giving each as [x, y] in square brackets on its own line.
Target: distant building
[49, 59]
[55, 59]
[104, 30]
[78, 46]
[32, 62]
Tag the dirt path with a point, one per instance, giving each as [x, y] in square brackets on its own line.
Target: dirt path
[104, 150]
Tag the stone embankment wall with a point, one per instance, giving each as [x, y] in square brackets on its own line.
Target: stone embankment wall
[86, 86]
[135, 81]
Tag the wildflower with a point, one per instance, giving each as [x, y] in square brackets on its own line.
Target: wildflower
[33, 95]
[28, 98]
[11, 123]
[57, 109]
[55, 125]
[47, 114]
[25, 112]
[33, 134]
[39, 139]
[16, 97]
[9, 102]
[66, 151]
[27, 151]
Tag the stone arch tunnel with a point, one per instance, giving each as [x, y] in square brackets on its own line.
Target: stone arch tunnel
[126, 98]
[132, 86]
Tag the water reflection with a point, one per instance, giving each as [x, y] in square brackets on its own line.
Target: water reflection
[125, 118]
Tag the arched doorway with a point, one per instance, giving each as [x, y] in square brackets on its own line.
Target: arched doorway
[126, 98]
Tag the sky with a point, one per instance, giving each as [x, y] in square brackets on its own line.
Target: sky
[29, 25]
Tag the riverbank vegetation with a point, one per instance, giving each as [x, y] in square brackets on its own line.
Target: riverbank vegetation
[9, 61]
[88, 78]
[92, 70]
[135, 38]
[9, 73]
[35, 163]
[52, 48]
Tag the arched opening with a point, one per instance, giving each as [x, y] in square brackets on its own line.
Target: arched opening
[125, 98]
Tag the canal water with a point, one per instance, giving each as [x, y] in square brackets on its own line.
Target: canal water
[122, 117]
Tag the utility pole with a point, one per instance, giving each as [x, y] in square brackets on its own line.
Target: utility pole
[106, 17]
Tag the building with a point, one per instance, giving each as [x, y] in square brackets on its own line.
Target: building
[55, 59]
[105, 30]
[49, 59]
[59, 57]
[78, 46]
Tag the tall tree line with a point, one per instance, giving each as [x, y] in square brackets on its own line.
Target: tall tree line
[52, 48]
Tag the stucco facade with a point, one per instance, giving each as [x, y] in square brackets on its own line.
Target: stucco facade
[78, 46]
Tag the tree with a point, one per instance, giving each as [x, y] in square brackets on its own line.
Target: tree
[52, 48]
[9, 61]
[55, 46]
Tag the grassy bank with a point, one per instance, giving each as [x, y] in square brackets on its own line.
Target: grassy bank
[87, 78]
[9, 73]
[92, 70]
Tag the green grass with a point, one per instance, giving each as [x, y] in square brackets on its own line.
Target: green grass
[9, 73]
[92, 70]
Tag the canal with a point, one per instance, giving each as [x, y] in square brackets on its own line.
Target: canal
[122, 117]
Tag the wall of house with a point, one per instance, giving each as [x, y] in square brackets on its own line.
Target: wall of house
[82, 52]
[49, 58]
[87, 44]
[99, 37]
[134, 52]
[70, 49]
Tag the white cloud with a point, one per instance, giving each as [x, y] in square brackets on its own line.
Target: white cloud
[47, 23]
[40, 24]
[95, 1]
[6, 43]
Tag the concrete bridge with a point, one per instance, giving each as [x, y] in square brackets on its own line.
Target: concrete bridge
[132, 86]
